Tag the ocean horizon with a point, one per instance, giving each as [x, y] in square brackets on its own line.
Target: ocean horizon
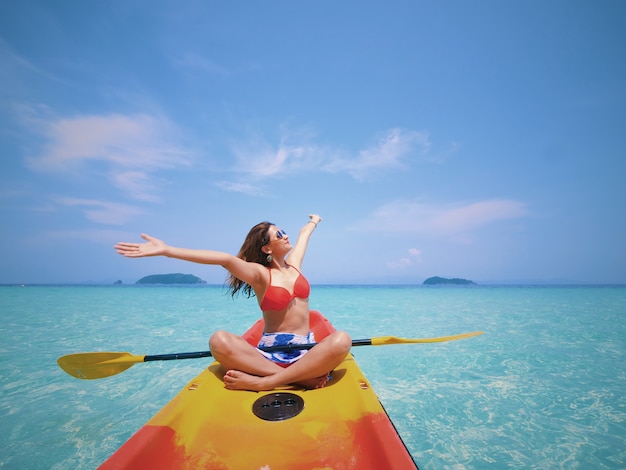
[564, 283]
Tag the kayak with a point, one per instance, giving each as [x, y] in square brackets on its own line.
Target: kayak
[205, 426]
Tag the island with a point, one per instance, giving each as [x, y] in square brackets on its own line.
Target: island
[171, 279]
[436, 281]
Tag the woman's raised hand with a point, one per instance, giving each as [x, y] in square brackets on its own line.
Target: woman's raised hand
[315, 218]
[152, 247]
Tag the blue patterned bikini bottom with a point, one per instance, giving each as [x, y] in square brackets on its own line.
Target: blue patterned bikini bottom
[285, 358]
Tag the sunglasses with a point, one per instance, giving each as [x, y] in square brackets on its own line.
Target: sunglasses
[281, 234]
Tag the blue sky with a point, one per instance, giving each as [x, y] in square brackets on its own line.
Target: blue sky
[482, 140]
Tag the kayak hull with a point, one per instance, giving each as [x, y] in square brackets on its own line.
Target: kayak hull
[340, 426]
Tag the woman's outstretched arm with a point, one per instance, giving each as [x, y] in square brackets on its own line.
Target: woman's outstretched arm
[250, 273]
[299, 250]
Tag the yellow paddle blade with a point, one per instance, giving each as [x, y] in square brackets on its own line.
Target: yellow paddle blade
[382, 340]
[96, 365]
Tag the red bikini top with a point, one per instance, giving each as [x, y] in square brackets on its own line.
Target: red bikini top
[277, 298]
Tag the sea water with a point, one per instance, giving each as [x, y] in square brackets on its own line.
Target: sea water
[543, 387]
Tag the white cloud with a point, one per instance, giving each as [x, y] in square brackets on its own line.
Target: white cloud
[137, 184]
[103, 212]
[405, 262]
[295, 153]
[126, 141]
[474, 215]
[399, 264]
[389, 152]
[453, 220]
[259, 159]
[238, 187]
[132, 147]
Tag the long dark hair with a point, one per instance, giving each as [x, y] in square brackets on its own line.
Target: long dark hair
[251, 251]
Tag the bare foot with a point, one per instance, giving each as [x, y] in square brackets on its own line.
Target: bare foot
[317, 382]
[237, 380]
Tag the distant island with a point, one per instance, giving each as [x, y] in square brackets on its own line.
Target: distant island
[436, 281]
[171, 279]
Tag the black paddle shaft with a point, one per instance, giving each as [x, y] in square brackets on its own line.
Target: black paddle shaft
[286, 347]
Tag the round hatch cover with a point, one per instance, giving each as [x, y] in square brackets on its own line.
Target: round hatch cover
[278, 406]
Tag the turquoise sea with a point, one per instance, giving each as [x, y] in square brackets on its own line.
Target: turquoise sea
[544, 387]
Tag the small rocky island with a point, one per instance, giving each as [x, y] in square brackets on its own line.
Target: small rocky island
[438, 281]
[171, 279]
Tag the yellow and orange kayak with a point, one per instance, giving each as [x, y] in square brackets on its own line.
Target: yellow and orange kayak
[205, 426]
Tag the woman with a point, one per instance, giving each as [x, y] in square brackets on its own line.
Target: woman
[283, 295]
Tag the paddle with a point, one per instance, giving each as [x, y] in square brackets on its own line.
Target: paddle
[97, 365]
